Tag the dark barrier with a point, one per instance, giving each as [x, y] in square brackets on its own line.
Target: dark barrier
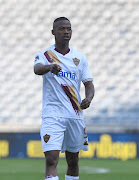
[105, 146]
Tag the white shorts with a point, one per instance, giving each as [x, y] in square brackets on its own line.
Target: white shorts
[64, 134]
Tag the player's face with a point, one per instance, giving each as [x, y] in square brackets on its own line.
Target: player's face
[62, 31]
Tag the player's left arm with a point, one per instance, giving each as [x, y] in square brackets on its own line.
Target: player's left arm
[89, 94]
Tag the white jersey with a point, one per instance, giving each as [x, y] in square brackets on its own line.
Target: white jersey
[61, 93]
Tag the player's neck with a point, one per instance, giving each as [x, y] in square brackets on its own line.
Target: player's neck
[62, 48]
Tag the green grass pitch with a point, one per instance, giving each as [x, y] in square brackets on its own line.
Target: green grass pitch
[33, 169]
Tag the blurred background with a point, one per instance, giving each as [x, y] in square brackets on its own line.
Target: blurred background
[107, 32]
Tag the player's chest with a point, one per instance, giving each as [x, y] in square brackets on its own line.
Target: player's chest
[71, 67]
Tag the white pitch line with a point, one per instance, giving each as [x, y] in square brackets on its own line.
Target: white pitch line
[93, 170]
[86, 169]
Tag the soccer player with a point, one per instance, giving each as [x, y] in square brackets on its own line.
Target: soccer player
[63, 128]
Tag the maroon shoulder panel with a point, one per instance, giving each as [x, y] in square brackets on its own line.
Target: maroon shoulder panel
[48, 57]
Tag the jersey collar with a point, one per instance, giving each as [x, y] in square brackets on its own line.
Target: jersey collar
[61, 52]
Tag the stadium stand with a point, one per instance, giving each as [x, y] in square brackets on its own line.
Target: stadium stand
[106, 31]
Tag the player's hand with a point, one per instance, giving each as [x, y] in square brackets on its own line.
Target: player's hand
[55, 68]
[85, 103]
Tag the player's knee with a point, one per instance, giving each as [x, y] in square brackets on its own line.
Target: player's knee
[51, 161]
[73, 162]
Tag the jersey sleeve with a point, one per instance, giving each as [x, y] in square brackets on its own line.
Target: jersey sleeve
[39, 59]
[86, 75]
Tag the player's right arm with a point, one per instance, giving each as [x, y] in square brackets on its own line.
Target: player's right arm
[41, 69]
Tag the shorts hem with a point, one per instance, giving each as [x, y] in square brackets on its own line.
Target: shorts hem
[75, 151]
[51, 149]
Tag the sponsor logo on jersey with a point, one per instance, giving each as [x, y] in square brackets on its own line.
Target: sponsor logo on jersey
[65, 74]
[76, 61]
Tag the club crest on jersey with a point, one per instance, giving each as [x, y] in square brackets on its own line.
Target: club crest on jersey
[76, 61]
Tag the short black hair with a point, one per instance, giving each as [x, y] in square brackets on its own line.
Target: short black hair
[61, 18]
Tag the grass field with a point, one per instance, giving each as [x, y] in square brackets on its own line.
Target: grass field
[33, 169]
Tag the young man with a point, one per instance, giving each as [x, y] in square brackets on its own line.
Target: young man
[63, 129]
